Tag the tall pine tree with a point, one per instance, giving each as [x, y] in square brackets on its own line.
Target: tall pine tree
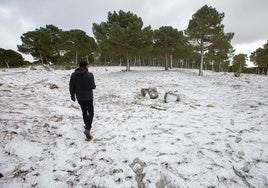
[204, 29]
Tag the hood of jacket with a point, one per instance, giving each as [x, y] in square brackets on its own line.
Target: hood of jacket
[80, 71]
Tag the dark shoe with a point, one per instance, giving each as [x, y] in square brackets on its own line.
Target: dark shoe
[88, 135]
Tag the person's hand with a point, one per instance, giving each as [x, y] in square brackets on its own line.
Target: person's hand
[73, 98]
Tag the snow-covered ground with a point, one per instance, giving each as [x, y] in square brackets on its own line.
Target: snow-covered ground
[216, 136]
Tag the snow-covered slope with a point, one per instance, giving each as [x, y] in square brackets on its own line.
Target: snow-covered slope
[216, 136]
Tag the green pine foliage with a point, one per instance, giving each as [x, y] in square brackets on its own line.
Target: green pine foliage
[239, 62]
[260, 58]
[123, 38]
[53, 45]
[206, 31]
[11, 59]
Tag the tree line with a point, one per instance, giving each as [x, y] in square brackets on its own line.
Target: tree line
[124, 39]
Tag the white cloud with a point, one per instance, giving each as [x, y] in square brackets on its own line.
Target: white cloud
[4, 13]
[249, 47]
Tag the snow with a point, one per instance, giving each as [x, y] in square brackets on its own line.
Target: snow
[215, 136]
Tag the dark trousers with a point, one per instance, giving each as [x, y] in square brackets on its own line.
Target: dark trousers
[87, 112]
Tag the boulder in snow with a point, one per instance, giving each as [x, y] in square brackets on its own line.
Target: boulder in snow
[237, 74]
[151, 91]
[171, 97]
[53, 86]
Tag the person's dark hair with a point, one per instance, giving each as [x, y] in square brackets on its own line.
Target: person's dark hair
[83, 64]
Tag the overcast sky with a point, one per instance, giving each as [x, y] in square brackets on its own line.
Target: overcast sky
[246, 18]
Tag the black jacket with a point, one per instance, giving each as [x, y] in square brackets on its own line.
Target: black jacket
[81, 85]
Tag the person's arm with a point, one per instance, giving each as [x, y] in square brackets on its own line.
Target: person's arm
[72, 88]
[93, 85]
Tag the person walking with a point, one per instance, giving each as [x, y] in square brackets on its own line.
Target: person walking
[81, 85]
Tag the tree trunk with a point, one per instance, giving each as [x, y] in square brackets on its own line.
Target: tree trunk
[41, 58]
[171, 63]
[87, 59]
[7, 63]
[201, 59]
[166, 66]
[76, 57]
[220, 65]
[135, 61]
[128, 65]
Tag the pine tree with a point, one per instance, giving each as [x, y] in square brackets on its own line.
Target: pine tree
[260, 58]
[204, 29]
[10, 58]
[122, 36]
[166, 39]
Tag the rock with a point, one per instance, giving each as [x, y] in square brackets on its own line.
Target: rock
[137, 166]
[144, 91]
[70, 183]
[246, 168]
[46, 125]
[53, 86]
[238, 139]
[193, 106]
[164, 182]
[74, 106]
[240, 155]
[59, 118]
[237, 74]
[171, 97]
[151, 91]
[115, 171]
[33, 68]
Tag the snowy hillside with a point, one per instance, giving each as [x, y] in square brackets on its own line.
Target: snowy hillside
[216, 136]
